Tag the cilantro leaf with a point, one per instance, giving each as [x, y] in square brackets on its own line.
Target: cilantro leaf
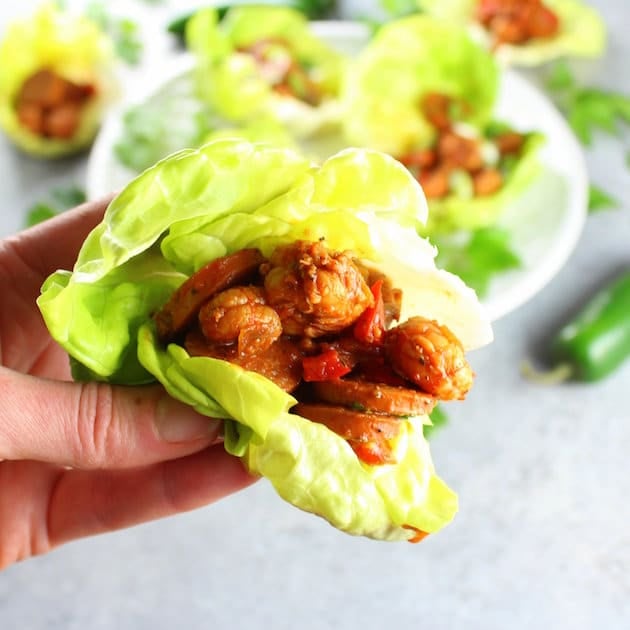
[485, 253]
[122, 31]
[599, 199]
[68, 197]
[38, 213]
[160, 126]
[560, 77]
[60, 199]
[587, 109]
[438, 418]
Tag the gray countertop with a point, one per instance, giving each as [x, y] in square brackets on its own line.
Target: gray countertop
[543, 473]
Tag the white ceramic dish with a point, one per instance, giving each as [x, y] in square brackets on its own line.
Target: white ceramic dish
[545, 223]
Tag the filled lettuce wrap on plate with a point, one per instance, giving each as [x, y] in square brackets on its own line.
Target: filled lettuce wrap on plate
[295, 301]
[430, 105]
[266, 60]
[412, 74]
[55, 82]
[527, 32]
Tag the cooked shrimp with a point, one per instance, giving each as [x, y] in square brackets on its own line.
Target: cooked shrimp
[240, 315]
[429, 355]
[184, 304]
[280, 363]
[315, 291]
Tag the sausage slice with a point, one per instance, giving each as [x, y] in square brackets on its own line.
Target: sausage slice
[375, 397]
[216, 276]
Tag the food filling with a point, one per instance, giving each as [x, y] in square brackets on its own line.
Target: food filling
[323, 326]
[458, 163]
[50, 106]
[283, 72]
[517, 21]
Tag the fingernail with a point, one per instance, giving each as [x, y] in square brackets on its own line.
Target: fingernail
[177, 422]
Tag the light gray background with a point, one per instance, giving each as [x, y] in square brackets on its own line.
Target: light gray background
[542, 539]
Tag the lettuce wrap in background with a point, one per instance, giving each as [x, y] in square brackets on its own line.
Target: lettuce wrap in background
[413, 97]
[199, 205]
[70, 47]
[407, 60]
[265, 60]
[581, 31]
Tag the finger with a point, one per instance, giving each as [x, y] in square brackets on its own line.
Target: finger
[86, 503]
[95, 425]
[54, 244]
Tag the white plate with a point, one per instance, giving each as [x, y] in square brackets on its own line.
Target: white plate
[545, 223]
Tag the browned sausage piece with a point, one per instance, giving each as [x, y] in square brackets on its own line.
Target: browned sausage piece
[350, 425]
[375, 397]
[216, 276]
[280, 363]
[368, 434]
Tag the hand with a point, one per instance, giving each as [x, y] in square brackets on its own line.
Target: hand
[78, 459]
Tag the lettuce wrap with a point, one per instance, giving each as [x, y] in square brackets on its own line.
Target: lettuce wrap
[406, 60]
[265, 60]
[72, 47]
[199, 205]
[581, 33]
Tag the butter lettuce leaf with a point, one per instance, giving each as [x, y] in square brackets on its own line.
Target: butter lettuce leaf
[231, 194]
[582, 31]
[406, 60]
[231, 81]
[73, 47]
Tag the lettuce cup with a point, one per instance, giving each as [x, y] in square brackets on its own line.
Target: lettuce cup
[55, 83]
[265, 60]
[296, 302]
[430, 106]
[527, 32]
[415, 71]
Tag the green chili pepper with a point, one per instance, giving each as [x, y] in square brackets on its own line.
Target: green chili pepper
[313, 9]
[597, 341]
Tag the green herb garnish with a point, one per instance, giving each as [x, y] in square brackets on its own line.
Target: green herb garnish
[123, 32]
[599, 199]
[486, 253]
[587, 109]
[438, 418]
[60, 199]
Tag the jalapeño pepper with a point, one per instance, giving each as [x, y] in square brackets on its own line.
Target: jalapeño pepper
[597, 341]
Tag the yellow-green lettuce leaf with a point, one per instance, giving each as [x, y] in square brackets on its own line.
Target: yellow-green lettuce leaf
[407, 59]
[582, 31]
[73, 47]
[200, 204]
[231, 81]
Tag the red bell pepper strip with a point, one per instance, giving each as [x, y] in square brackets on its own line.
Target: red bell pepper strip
[370, 327]
[324, 367]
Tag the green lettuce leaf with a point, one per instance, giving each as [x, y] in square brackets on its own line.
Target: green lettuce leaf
[407, 59]
[200, 204]
[582, 31]
[231, 82]
[73, 47]
[459, 211]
